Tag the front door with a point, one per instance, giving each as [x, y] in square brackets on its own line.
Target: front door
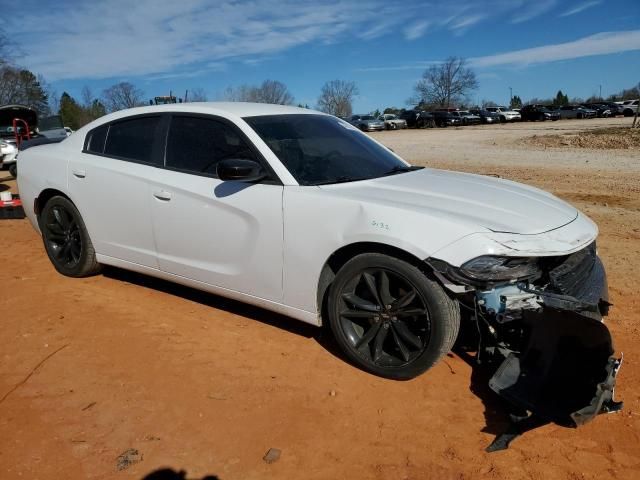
[226, 234]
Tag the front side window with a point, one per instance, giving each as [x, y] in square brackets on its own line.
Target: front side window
[320, 149]
[197, 144]
[133, 139]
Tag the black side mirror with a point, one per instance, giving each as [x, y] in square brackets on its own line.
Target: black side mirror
[240, 170]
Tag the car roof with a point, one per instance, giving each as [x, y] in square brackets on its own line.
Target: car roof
[237, 109]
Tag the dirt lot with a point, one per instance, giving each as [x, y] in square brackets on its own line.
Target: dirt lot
[91, 368]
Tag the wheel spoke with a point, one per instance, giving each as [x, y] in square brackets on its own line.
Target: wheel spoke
[368, 336]
[55, 229]
[61, 218]
[76, 250]
[359, 303]
[404, 301]
[379, 341]
[56, 237]
[404, 333]
[371, 285]
[401, 346]
[383, 288]
[63, 251]
[357, 314]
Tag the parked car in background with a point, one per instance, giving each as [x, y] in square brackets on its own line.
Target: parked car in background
[445, 119]
[8, 154]
[486, 116]
[538, 112]
[366, 123]
[629, 107]
[469, 118]
[506, 114]
[616, 108]
[392, 122]
[576, 111]
[418, 118]
[602, 110]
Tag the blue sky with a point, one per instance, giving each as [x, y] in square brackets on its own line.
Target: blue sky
[535, 47]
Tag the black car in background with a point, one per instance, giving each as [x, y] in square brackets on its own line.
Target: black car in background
[445, 119]
[417, 118]
[485, 115]
[469, 118]
[602, 110]
[539, 112]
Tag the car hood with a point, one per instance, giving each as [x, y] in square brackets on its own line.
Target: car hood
[484, 203]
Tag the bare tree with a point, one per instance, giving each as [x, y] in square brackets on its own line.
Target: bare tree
[122, 95]
[274, 92]
[242, 93]
[336, 97]
[446, 83]
[197, 95]
[271, 91]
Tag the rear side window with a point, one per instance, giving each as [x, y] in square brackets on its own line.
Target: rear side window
[133, 139]
[197, 144]
[97, 136]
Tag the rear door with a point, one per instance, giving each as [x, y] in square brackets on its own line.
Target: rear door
[226, 234]
[109, 184]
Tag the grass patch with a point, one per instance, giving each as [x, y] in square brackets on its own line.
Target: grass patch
[602, 138]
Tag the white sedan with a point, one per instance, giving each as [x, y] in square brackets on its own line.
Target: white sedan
[300, 213]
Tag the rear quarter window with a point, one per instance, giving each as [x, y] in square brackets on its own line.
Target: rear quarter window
[133, 139]
[95, 139]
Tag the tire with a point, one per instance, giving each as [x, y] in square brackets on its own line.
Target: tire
[66, 239]
[627, 112]
[13, 170]
[503, 119]
[389, 318]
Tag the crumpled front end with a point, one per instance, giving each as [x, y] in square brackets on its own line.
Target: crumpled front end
[545, 332]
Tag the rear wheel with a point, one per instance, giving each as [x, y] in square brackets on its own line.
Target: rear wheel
[66, 239]
[389, 318]
[13, 170]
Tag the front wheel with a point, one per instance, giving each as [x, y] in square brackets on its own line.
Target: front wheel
[66, 239]
[13, 170]
[389, 318]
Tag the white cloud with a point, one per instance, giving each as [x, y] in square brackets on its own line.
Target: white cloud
[530, 10]
[416, 30]
[599, 44]
[580, 8]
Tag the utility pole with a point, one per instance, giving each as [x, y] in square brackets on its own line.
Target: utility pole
[510, 96]
[600, 96]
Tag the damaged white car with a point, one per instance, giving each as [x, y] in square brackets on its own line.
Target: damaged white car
[300, 213]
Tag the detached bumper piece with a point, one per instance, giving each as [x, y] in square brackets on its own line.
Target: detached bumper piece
[565, 370]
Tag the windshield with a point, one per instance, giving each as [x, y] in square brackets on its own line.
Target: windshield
[367, 117]
[320, 149]
[390, 117]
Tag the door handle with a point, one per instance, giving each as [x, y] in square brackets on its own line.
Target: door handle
[79, 173]
[162, 195]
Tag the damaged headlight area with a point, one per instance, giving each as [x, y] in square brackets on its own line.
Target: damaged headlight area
[541, 321]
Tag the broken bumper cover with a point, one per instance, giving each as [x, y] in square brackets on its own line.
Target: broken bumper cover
[566, 371]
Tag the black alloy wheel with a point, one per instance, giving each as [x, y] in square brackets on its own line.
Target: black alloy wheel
[63, 236]
[66, 239]
[389, 318]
